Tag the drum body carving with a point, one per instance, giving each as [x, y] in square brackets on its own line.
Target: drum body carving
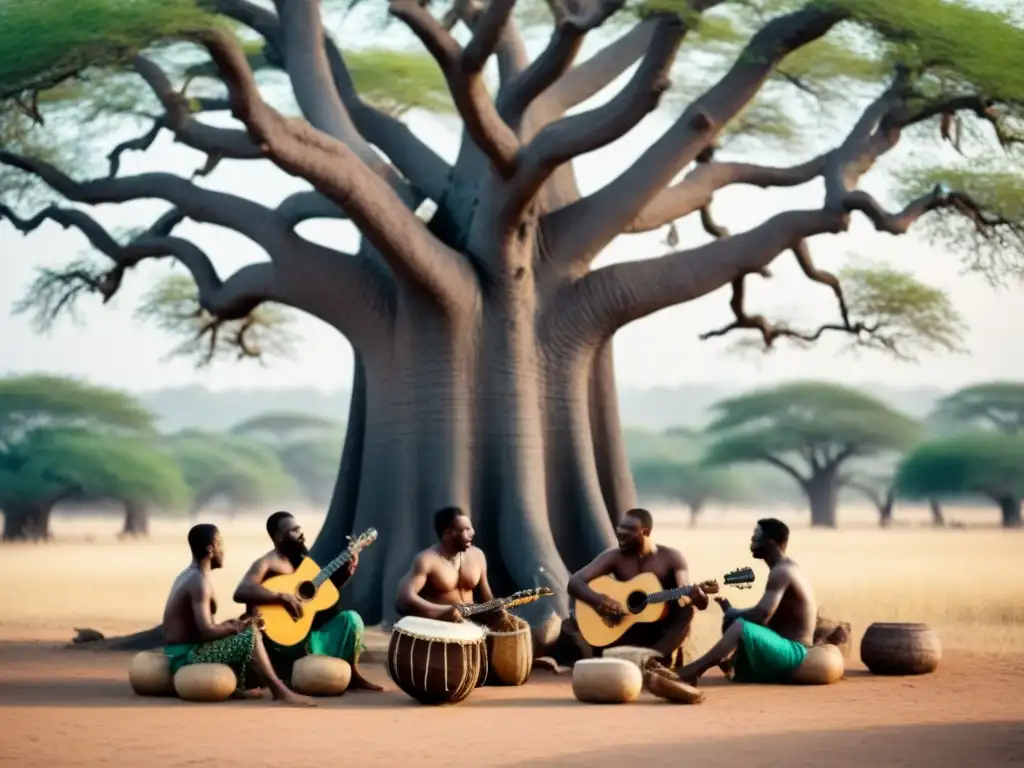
[436, 662]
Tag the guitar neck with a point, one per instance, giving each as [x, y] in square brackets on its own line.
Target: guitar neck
[331, 568]
[667, 595]
[490, 605]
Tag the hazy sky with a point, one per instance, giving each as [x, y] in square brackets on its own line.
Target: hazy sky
[111, 347]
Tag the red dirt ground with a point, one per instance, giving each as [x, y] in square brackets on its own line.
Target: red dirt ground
[69, 708]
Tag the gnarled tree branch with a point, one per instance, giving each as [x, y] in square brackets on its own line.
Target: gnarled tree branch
[697, 188]
[227, 300]
[553, 62]
[609, 298]
[334, 170]
[203, 205]
[463, 71]
[580, 231]
[559, 142]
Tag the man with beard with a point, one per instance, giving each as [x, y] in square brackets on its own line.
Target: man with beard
[452, 572]
[766, 643]
[191, 637]
[335, 632]
[637, 553]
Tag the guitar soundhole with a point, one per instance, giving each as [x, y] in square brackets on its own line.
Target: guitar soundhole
[636, 602]
[306, 590]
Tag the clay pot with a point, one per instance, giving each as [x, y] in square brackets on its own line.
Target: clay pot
[150, 674]
[321, 676]
[606, 681]
[900, 649]
[205, 682]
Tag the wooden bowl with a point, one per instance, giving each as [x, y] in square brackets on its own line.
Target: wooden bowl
[900, 649]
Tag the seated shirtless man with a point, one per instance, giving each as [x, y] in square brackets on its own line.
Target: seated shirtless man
[450, 573]
[335, 632]
[766, 643]
[637, 553]
[191, 637]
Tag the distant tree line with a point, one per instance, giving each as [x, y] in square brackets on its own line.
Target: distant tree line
[66, 441]
[828, 439]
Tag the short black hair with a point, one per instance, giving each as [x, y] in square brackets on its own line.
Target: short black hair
[274, 522]
[775, 530]
[200, 537]
[643, 516]
[444, 519]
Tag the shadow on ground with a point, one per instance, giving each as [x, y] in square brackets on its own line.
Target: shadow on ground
[960, 745]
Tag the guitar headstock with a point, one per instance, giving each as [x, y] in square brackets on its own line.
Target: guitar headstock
[361, 542]
[741, 578]
[710, 587]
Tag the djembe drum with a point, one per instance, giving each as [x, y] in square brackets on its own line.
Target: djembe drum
[436, 662]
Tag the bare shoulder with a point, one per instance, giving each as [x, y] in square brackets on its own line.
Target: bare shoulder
[476, 555]
[784, 574]
[673, 558]
[426, 560]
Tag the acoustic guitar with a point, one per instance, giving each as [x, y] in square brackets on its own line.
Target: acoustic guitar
[644, 599]
[517, 598]
[312, 586]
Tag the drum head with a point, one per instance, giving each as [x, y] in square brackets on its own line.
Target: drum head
[432, 629]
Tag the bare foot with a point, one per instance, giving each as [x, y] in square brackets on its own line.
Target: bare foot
[293, 699]
[360, 683]
[250, 693]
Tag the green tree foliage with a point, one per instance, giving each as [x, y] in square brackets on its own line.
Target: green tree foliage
[62, 439]
[241, 472]
[691, 483]
[988, 464]
[997, 405]
[949, 52]
[810, 431]
[308, 447]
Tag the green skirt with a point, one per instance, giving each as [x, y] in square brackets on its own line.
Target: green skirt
[764, 656]
[235, 651]
[341, 637]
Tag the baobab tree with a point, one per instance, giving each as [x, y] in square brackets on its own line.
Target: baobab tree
[481, 333]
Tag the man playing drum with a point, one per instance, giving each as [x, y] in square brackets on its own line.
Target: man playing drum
[452, 572]
[637, 553]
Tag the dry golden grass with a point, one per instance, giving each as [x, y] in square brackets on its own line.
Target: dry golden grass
[966, 583]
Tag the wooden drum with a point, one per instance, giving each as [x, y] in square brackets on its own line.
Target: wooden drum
[509, 652]
[436, 662]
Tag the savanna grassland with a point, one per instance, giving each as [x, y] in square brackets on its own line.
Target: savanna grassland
[965, 582]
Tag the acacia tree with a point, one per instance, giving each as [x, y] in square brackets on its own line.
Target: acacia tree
[811, 431]
[308, 447]
[229, 468]
[687, 482]
[997, 405]
[484, 369]
[65, 440]
[988, 464]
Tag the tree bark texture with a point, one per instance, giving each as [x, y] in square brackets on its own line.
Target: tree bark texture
[484, 374]
[136, 520]
[822, 493]
[28, 522]
[1009, 507]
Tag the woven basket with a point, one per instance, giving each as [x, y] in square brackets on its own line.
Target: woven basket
[900, 649]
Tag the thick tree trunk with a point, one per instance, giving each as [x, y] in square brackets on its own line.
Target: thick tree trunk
[885, 514]
[613, 468]
[1009, 506]
[938, 520]
[26, 523]
[695, 510]
[136, 520]
[822, 493]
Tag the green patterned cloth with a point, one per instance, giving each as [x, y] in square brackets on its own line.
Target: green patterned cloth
[235, 651]
[764, 656]
[341, 637]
